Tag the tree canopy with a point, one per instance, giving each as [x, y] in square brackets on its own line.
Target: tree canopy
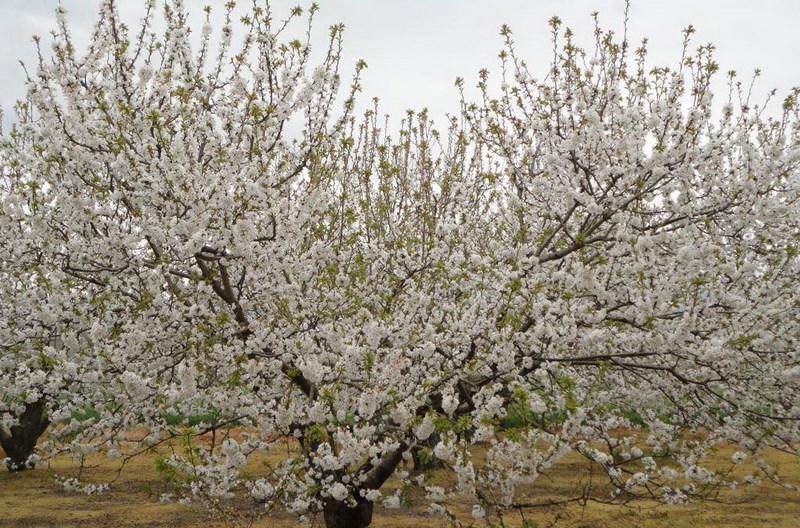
[590, 261]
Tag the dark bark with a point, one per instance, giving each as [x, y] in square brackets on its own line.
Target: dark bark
[20, 441]
[377, 475]
[339, 515]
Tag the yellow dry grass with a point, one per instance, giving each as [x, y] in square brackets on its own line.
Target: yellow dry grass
[33, 499]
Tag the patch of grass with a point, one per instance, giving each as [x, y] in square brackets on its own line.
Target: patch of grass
[191, 421]
[85, 414]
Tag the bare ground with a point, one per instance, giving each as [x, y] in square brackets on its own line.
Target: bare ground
[33, 499]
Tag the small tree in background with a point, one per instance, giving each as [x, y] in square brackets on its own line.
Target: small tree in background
[35, 363]
[574, 255]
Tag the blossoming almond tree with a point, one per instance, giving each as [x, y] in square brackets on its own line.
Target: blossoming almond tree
[126, 163]
[652, 263]
[25, 336]
[43, 313]
[580, 252]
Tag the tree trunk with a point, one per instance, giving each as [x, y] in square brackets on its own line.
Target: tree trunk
[338, 515]
[20, 441]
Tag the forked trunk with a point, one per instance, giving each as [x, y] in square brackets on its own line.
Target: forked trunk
[338, 515]
[20, 440]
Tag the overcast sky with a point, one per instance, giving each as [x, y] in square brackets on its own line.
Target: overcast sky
[416, 48]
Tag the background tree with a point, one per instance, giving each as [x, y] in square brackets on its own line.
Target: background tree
[26, 339]
[37, 363]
